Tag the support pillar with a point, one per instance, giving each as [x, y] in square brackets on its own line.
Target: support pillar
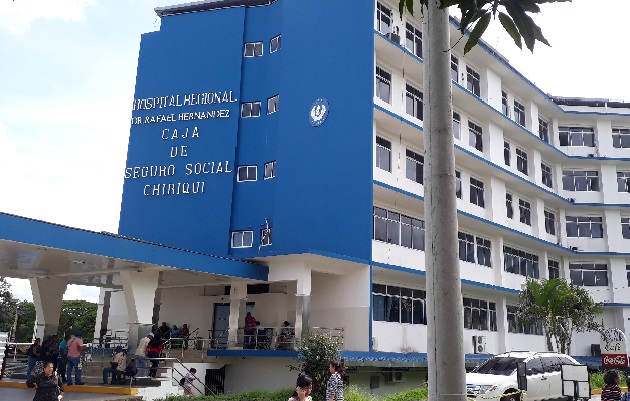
[303, 304]
[47, 297]
[139, 288]
[238, 295]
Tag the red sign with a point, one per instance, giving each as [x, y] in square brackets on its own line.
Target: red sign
[615, 360]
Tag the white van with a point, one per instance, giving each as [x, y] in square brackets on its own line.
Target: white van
[497, 376]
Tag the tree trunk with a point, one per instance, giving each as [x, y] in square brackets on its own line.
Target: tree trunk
[447, 377]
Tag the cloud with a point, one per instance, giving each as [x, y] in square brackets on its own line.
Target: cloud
[17, 16]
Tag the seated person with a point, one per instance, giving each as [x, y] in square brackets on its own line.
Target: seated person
[117, 368]
[285, 339]
[261, 337]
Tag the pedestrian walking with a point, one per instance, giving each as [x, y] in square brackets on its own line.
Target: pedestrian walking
[48, 385]
[75, 346]
[188, 379]
[334, 386]
[33, 355]
[611, 391]
[63, 357]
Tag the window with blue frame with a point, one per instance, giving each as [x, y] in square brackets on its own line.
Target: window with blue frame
[398, 304]
[520, 262]
[589, 274]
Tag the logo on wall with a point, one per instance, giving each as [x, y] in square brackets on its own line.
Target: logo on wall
[319, 112]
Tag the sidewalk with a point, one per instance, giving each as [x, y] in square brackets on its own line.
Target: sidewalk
[20, 394]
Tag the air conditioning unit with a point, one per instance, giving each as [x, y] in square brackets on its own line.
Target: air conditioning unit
[479, 344]
[394, 376]
[374, 344]
[393, 37]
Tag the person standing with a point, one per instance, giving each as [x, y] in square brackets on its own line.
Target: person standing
[334, 386]
[53, 350]
[48, 386]
[188, 379]
[611, 391]
[75, 346]
[249, 331]
[33, 355]
[153, 351]
[141, 354]
[63, 357]
[184, 333]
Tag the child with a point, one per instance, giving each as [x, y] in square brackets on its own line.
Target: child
[611, 391]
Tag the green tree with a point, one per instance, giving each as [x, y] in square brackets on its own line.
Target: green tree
[26, 322]
[561, 307]
[78, 315]
[315, 352]
[7, 305]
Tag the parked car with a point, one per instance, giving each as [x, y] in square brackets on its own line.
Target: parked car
[497, 376]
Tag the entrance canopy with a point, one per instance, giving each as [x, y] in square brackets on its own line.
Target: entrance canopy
[36, 249]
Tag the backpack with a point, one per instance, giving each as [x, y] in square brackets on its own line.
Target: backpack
[182, 381]
[131, 369]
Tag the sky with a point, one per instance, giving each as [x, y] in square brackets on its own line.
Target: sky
[67, 77]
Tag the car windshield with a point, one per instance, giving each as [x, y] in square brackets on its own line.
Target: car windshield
[499, 366]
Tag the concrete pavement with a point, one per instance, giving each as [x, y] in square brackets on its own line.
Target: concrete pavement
[21, 394]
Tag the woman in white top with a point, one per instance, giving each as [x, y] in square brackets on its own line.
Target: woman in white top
[303, 389]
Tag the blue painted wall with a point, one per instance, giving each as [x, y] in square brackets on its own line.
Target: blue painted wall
[321, 197]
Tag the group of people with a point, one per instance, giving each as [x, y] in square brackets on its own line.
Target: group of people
[64, 356]
[255, 335]
[171, 333]
[334, 385]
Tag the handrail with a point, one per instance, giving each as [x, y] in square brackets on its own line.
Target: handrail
[174, 369]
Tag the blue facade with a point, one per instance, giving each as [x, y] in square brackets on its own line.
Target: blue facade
[321, 196]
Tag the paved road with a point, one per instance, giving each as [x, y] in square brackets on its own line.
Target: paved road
[20, 394]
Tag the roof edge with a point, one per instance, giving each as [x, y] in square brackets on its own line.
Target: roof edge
[205, 5]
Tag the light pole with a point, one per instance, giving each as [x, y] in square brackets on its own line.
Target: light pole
[15, 320]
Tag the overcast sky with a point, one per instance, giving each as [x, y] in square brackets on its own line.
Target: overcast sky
[67, 79]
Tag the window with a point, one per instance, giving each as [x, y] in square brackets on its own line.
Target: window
[398, 229]
[454, 68]
[521, 161]
[458, 184]
[553, 266]
[580, 180]
[625, 227]
[265, 236]
[414, 102]
[623, 181]
[247, 173]
[472, 81]
[506, 153]
[475, 136]
[476, 192]
[272, 104]
[577, 136]
[589, 274]
[547, 175]
[275, 44]
[270, 170]
[383, 18]
[456, 126]
[480, 314]
[383, 154]
[414, 39]
[621, 137]
[628, 274]
[520, 262]
[519, 113]
[415, 166]
[543, 129]
[515, 326]
[466, 247]
[254, 49]
[584, 227]
[484, 252]
[398, 304]
[242, 239]
[251, 109]
[383, 84]
[524, 209]
[550, 222]
[505, 108]
[509, 206]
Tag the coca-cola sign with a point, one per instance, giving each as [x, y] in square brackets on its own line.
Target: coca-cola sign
[614, 360]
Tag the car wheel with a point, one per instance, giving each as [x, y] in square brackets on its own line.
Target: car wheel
[512, 397]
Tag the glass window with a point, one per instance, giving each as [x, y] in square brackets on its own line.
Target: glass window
[589, 274]
[505, 108]
[275, 44]
[584, 227]
[398, 304]
[520, 262]
[621, 137]
[265, 236]
[475, 136]
[625, 227]
[509, 205]
[580, 180]
[466, 247]
[550, 222]
[476, 192]
[553, 266]
[383, 18]
[479, 314]
[415, 166]
[623, 181]
[413, 100]
[547, 175]
[270, 170]
[484, 252]
[250, 109]
[272, 104]
[454, 68]
[413, 40]
[577, 136]
[253, 49]
[456, 126]
[247, 173]
[515, 326]
[383, 154]
[472, 81]
[519, 113]
[543, 129]
[521, 161]
[524, 209]
[507, 156]
[628, 274]
[383, 84]
[398, 229]
[458, 184]
[242, 239]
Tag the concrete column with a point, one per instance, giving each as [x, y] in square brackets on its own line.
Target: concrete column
[538, 218]
[238, 295]
[303, 304]
[47, 297]
[139, 288]
[612, 226]
[502, 325]
[618, 281]
[531, 117]
[102, 314]
[543, 268]
[609, 183]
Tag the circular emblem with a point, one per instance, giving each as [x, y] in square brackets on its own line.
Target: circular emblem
[319, 112]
